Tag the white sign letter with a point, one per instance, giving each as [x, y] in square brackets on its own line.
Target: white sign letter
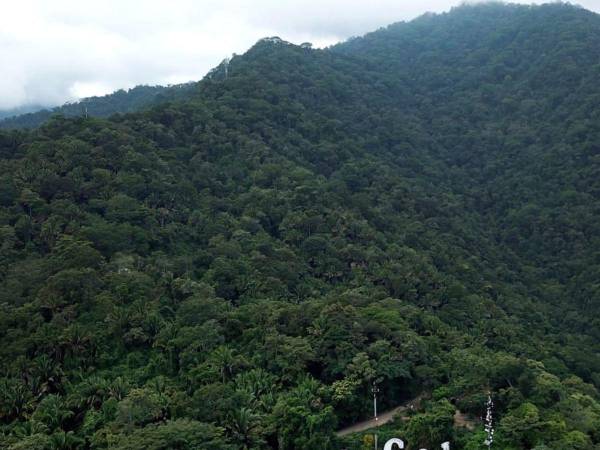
[389, 445]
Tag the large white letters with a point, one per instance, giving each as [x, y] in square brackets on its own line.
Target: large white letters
[389, 445]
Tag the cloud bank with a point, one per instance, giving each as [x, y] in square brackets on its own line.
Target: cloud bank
[61, 50]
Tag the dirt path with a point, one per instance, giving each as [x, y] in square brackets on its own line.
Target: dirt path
[382, 419]
[460, 419]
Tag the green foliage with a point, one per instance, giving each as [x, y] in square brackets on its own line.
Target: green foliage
[417, 208]
[302, 420]
[180, 434]
[430, 428]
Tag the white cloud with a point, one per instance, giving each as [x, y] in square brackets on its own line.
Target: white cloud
[55, 51]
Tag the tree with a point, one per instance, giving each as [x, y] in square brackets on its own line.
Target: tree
[433, 427]
[302, 421]
[245, 428]
[523, 426]
[181, 434]
[52, 412]
[141, 407]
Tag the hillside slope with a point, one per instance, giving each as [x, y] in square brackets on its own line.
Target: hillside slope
[119, 102]
[417, 208]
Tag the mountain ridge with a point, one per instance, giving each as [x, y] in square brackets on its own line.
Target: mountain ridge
[238, 268]
[119, 102]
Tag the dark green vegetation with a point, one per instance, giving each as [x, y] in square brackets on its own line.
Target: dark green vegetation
[4, 113]
[120, 101]
[419, 207]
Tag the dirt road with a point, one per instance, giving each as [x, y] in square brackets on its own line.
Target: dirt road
[382, 419]
[460, 420]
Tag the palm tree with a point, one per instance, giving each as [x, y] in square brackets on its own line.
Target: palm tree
[46, 375]
[15, 399]
[65, 441]
[258, 384]
[75, 340]
[92, 391]
[52, 412]
[118, 389]
[243, 423]
[224, 358]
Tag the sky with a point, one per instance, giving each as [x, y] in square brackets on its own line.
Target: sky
[53, 51]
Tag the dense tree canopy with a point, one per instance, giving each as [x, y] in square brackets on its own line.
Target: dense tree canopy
[417, 208]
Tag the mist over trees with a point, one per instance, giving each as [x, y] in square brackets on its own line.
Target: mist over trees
[121, 101]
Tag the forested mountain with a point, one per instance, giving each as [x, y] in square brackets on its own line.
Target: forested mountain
[5, 113]
[418, 208]
[121, 101]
